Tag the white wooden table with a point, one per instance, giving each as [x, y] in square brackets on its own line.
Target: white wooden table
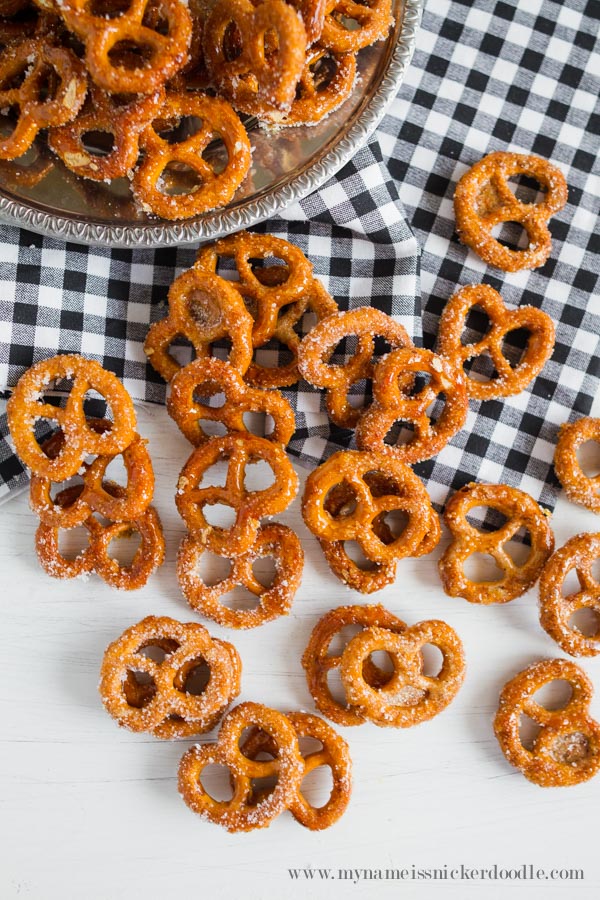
[92, 811]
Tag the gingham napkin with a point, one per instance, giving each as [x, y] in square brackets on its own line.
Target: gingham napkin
[485, 76]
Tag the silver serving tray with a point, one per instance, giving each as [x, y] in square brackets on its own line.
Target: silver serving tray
[287, 165]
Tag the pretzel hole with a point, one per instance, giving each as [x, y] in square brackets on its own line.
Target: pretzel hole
[15, 78]
[274, 355]
[396, 521]
[139, 688]
[158, 652]
[433, 660]
[323, 70]
[130, 55]
[341, 500]
[571, 749]
[528, 731]
[216, 781]
[586, 621]
[570, 584]
[209, 393]
[588, 457]
[483, 518]
[116, 471]
[258, 476]
[340, 352]
[359, 393]
[216, 156]
[511, 235]
[481, 568]
[109, 9]
[341, 638]
[240, 599]
[178, 178]
[265, 570]
[477, 325]
[98, 143]
[262, 787]
[514, 344]
[436, 408]
[233, 44]
[215, 475]
[211, 427]
[519, 547]
[555, 694]
[259, 423]
[336, 687]
[212, 569]
[401, 432]
[382, 660]
[305, 323]
[73, 542]
[181, 351]
[196, 678]
[354, 551]
[174, 131]
[219, 515]
[270, 271]
[125, 545]
[43, 429]
[480, 368]
[526, 189]
[57, 487]
[317, 786]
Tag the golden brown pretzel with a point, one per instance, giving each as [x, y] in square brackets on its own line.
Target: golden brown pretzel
[317, 348]
[566, 750]
[394, 399]
[161, 702]
[580, 554]
[239, 450]
[325, 83]
[26, 406]
[508, 380]
[274, 540]
[521, 511]
[483, 199]
[350, 25]
[207, 377]
[312, 13]
[579, 487]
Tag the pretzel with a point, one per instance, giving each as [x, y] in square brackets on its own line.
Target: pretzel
[349, 25]
[257, 70]
[94, 497]
[503, 321]
[317, 348]
[318, 662]
[483, 199]
[274, 540]
[29, 172]
[334, 754]
[409, 697]
[567, 749]
[579, 487]
[96, 558]
[203, 309]
[521, 511]
[123, 119]
[393, 400]
[239, 450]
[26, 406]
[240, 813]
[325, 83]
[207, 377]
[216, 185]
[35, 62]
[264, 300]
[103, 36]
[357, 519]
[580, 553]
[312, 13]
[161, 703]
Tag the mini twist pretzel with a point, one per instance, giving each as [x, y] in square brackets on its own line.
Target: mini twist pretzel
[34, 63]
[239, 450]
[315, 351]
[203, 309]
[241, 813]
[264, 300]
[274, 540]
[508, 380]
[257, 71]
[96, 559]
[206, 377]
[579, 487]
[349, 25]
[580, 553]
[391, 403]
[318, 662]
[355, 521]
[102, 34]
[483, 199]
[217, 185]
[334, 754]
[325, 83]
[521, 511]
[94, 497]
[26, 406]
[104, 112]
[161, 703]
[566, 750]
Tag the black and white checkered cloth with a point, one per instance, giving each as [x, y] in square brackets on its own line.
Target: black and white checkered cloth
[486, 76]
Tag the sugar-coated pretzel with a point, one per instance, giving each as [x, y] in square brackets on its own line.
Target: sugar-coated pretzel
[394, 399]
[94, 497]
[579, 487]
[318, 661]
[351, 25]
[521, 511]
[508, 380]
[334, 753]
[566, 750]
[122, 119]
[315, 351]
[169, 41]
[203, 309]
[483, 199]
[258, 71]
[96, 558]
[241, 812]
[160, 703]
[274, 540]
[26, 406]
[312, 13]
[357, 519]
[410, 696]
[217, 185]
[239, 450]
[325, 83]
[207, 377]
[264, 298]
[34, 62]
[579, 554]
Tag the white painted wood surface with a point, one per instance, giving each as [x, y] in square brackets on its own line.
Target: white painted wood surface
[91, 811]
